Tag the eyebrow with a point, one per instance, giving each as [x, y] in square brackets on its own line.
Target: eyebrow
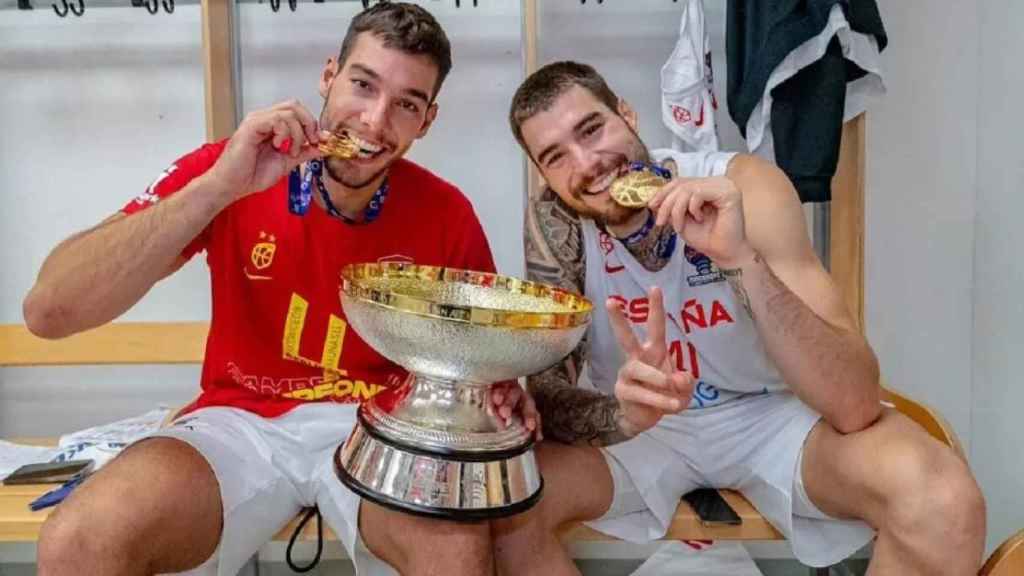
[576, 128]
[413, 92]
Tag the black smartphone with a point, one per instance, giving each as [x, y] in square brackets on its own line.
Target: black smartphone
[48, 473]
[711, 508]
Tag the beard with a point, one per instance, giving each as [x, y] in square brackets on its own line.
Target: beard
[609, 212]
[340, 173]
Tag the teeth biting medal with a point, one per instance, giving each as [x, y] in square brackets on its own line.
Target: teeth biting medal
[636, 188]
[339, 145]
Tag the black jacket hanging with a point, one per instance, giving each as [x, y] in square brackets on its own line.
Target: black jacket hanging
[807, 109]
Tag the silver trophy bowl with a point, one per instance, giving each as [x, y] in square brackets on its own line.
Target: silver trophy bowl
[433, 446]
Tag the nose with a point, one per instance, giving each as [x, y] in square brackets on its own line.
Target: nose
[375, 116]
[585, 159]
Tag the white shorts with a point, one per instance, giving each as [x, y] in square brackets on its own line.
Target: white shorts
[271, 468]
[753, 444]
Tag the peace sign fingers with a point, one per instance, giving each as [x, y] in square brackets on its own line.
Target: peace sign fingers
[655, 325]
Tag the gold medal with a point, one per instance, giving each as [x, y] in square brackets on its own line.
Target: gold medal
[340, 146]
[635, 189]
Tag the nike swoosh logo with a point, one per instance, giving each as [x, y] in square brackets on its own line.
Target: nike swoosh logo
[613, 269]
[700, 121]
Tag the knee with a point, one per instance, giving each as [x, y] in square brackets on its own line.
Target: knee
[65, 545]
[935, 493]
[958, 501]
[517, 539]
[83, 535]
[468, 544]
[540, 521]
[443, 547]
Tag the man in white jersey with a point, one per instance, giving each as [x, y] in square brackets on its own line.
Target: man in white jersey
[743, 369]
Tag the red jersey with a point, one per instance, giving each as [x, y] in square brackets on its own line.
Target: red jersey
[275, 280]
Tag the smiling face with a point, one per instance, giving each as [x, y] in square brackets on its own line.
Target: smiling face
[383, 98]
[581, 146]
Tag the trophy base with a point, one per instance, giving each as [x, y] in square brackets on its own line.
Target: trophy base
[454, 485]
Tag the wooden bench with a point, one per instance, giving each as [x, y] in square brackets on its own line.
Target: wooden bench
[184, 343]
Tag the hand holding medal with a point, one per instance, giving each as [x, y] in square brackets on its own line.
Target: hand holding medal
[257, 156]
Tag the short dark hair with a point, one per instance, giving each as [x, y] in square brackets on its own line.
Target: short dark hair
[405, 27]
[538, 92]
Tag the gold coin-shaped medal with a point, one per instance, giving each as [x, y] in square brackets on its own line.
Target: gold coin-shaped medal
[635, 189]
[340, 145]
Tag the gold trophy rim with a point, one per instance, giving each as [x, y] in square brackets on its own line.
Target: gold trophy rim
[357, 282]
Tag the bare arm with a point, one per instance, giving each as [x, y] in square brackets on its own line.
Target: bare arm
[555, 255]
[96, 275]
[798, 310]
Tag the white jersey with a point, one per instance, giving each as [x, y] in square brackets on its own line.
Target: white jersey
[688, 102]
[708, 332]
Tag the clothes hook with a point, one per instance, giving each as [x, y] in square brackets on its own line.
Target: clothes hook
[153, 7]
[168, 6]
[59, 11]
[24, 5]
[293, 5]
[275, 5]
[80, 10]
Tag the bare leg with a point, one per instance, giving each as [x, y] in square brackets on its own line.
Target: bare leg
[577, 486]
[154, 509]
[416, 546]
[918, 495]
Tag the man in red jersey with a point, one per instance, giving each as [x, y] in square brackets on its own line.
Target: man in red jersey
[282, 375]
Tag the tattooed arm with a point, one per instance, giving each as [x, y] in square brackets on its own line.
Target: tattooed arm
[555, 255]
[574, 415]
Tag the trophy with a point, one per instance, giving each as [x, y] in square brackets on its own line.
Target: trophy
[434, 446]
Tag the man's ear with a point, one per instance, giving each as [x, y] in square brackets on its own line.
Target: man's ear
[428, 121]
[628, 114]
[331, 70]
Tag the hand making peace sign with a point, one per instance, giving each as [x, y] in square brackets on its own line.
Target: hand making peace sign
[648, 387]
